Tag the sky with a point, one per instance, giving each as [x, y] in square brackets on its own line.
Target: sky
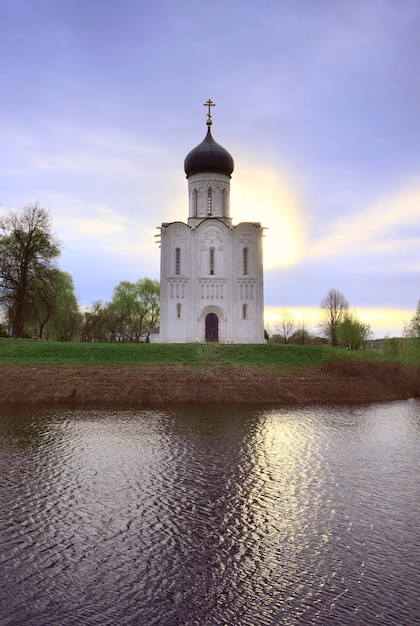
[318, 101]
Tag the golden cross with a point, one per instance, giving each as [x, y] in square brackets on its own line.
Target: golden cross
[209, 104]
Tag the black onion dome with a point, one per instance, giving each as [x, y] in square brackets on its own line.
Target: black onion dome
[208, 156]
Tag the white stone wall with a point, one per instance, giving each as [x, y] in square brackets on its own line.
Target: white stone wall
[218, 286]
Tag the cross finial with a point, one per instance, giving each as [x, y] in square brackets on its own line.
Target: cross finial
[209, 104]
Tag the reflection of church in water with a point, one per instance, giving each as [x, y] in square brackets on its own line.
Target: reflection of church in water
[211, 282]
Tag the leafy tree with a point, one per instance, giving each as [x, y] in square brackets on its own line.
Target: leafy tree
[414, 325]
[136, 306]
[96, 323]
[334, 308]
[352, 333]
[367, 333]
[41, 300]
[54, 310]
[65, 321]
[27, 254]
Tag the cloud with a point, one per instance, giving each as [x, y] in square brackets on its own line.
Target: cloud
[379, 228]
[99, 221]
[106, 229]
[64, 148]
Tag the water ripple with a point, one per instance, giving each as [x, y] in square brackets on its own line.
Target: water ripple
[210, 516]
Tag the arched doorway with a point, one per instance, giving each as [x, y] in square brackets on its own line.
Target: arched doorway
[212, 327]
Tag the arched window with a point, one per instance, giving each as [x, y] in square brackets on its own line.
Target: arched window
[177, 260]
[178, 311]
[209, 202]
[211, 261]
[245, 261]
[244, 311]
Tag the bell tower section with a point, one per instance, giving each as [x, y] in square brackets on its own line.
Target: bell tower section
[208, 168]
[211, 282]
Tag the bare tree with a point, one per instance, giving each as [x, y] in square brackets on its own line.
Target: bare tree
[301, 336]
[333, 310]
[284, 326]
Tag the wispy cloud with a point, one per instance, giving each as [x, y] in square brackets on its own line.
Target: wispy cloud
[106, 230]
[65, 148]
[99, 221]
[381, 227]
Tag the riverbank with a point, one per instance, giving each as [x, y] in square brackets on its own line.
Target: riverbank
[178, 383]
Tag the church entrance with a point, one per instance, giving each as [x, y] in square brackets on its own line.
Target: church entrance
[212, 327]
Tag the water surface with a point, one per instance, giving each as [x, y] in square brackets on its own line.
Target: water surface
[202, 516]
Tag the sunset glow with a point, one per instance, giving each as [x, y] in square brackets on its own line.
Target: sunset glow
[101, 103]
[382, 322]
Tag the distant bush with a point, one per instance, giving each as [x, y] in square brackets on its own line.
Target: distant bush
[276, 339]
[391, 347]
[405, 349]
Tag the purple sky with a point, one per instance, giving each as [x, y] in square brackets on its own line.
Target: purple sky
[318, 103]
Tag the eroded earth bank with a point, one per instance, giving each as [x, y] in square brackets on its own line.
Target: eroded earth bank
[154, 384]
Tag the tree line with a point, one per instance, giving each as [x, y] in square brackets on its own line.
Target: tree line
[338, 325]
[130, 316]
[37, 299]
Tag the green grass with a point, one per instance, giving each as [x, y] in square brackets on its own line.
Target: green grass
[49, 352]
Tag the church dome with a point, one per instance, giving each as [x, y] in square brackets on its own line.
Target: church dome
[208, 156]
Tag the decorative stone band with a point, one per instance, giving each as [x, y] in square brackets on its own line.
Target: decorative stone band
[211, 288]
[247, 288]
[177, 288]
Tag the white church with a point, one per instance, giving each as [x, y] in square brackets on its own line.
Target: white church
[211, 272]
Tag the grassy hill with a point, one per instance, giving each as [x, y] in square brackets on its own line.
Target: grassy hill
[55, 353]
[43, 371]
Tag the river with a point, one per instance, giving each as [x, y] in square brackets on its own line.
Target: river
[225, 516]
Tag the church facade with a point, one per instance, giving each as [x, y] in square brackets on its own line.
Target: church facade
[211, 282]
